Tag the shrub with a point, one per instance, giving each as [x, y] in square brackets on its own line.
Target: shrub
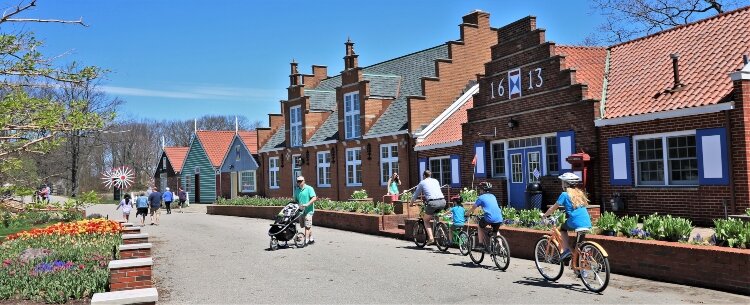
[361, 194]
[677, 228]
[733, 232]
[510, 215]
[608, 222]
[529, 218]
[654, 226]
[255, 201]
[628, 224]
[468, 195]
[406, 196]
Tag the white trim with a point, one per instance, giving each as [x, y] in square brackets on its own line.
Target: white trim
[743, 74]
[255, 182]
[275, 169]
[131, 262]
[271, 150]
[664, 134]
[318, 167]
[353, 163]
[385, 134]
[133, 296]
[492, 158]
[665, 156]
[446, 114]
[389, 160]
[293, 122]
[135, 236]
[438, 146]
[351, 114]
[665, 114]
[320, 143]
[134, 246]
[429, 166]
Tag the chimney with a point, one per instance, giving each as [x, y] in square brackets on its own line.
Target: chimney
[675, 58]
[350, 60]
[293, 74]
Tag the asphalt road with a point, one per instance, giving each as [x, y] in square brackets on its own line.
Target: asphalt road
[206, 259]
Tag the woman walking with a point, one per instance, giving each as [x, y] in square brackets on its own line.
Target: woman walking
[126, 204]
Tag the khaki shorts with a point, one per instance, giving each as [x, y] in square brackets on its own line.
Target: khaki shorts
[305, 221]
[155, 211]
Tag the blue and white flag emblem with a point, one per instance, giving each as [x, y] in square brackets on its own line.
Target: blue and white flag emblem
[514, 83]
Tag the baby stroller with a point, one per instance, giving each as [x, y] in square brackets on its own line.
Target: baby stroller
[284, 227]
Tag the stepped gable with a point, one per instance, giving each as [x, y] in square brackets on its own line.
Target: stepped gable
[640, 75]
[176, 156]
[216, 144]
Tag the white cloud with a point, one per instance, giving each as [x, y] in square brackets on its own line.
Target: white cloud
[198, 92]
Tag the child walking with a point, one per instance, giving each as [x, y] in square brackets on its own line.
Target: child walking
[126, 204]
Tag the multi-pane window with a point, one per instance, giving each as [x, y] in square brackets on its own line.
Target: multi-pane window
[324, 168]
[354, 167]
[441, 169]
[516, 168]
[352, 124]
[678, 165]
[273, 172]
[553, 165]
[295, 126]
[247, 181]
[498, 159]
[388, 162]
[526, 142]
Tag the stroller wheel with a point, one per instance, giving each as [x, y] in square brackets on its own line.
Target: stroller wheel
[274, 244]
[299, 240]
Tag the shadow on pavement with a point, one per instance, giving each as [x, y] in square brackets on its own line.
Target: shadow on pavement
[475, 266]
[538, 282]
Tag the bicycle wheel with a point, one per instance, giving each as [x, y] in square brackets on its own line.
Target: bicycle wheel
[463, 243]
[547, 259]
[419, 234]
[476, 255]
[299, 240]
[500, 252]
[595, 272]
[274, 244]
[441, 237]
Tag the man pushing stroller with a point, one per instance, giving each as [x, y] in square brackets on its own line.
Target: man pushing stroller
[305, 197]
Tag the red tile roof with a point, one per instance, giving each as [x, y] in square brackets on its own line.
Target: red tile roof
[589, 65]
[640, 71]
[450, 130]
[250, 139]
[176, 156]
[216, 144]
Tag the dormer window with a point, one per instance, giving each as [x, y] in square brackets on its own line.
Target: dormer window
[352, 124]
[295, 123]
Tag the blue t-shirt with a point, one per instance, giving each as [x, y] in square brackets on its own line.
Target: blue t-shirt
[141, 202]
[155, 199]
[492, 211]
[577, 217]
[168, 197]
[458, 215]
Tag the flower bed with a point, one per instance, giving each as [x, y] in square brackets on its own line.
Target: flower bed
[62, 262]
[363, 207]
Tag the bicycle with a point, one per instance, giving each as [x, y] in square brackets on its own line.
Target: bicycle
[588, 259]
[459, 237]
[439, 230]
[498, 247]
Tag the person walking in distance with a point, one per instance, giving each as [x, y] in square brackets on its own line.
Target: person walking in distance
[182, 196]
[168, 198]
[434, 201]
[126, 204]
[141, 204]
[154, 201]
[305, 196]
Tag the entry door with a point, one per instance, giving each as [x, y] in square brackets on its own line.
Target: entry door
[197, 187]
[525, 166]
[296, 171]
[233, 179]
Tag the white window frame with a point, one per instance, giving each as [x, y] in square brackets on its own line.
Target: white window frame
[388, 161]
[665, 157]
[440, 174]
[353, 163]
[273, 172]
[546, 170]
[353, 130]
[255, 182]
[295, 126]
[505, 158]
[326, 166]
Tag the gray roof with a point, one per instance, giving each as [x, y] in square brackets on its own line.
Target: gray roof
[328, 131]
[276, 141]
[321, 100]
[383, 85]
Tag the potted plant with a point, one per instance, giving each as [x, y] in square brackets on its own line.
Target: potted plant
[628, 225]
[608, 224]
[360, 196]
[468, 197]
[677, 228]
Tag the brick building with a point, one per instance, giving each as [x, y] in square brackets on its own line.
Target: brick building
[673, 129]
[535, 106]
[168, 170]
[353, 130]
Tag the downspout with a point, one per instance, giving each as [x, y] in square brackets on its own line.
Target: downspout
[731, 161]
[605, 82]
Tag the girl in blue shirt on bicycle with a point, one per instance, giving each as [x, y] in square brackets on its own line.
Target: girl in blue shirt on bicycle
[573, 199]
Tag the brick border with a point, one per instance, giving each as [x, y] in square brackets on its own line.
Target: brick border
[135, 251]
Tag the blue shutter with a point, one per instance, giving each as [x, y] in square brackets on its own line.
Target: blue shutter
[713, 156]
[480, 150]
[620, 161]
[422, 168]
[566, 145]
[455, 171]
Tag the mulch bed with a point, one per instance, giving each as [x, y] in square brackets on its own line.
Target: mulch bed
[27, 302]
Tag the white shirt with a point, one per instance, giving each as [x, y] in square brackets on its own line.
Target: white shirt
[430, 187]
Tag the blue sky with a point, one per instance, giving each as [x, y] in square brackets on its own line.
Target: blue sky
[183, 59]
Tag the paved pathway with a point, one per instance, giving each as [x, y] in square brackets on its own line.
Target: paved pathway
[206, 259]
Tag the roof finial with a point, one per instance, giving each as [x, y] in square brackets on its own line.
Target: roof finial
[236, 125]
[195, 125]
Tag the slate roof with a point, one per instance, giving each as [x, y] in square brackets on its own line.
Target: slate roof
[450, 130]
[250, 139]
[276, 141]
[640, 71]
[176, 156]
[328, 131]
[216, 144]
[383, 85]
[321, 99]
[589, 65]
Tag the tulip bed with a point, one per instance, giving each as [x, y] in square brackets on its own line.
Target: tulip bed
[62, 262]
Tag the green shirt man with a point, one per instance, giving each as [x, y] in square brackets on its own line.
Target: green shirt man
[303, 194]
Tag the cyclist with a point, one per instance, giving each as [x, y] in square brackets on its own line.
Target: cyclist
[573, 199]
[434, 200]
[458, 218]
[493, 215]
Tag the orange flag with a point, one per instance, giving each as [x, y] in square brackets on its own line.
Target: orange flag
[474, 161]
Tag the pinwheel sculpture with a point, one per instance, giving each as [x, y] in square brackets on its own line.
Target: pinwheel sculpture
[120, 177]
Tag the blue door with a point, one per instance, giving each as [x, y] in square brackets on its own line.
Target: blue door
[525, 166]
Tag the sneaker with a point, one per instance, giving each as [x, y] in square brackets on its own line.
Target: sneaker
[430, 242]
[565, 255]
[310, 242]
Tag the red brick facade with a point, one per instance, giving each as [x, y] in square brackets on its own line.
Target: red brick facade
[135, 253]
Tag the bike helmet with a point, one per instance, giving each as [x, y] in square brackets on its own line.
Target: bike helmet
[570, 178]
[486, 186]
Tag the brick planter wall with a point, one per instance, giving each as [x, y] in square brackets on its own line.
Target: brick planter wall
[704, 266]
[135, 251]
[130, 274]
[131, 230]
[128, 239]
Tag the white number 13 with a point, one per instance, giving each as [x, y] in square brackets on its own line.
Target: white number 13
[538, 76]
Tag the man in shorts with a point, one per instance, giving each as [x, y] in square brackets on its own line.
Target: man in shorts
[141, 203]
[305, 196]
[434, 201]
[154, 200]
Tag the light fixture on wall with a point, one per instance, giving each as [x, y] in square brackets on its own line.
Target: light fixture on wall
[512, 123]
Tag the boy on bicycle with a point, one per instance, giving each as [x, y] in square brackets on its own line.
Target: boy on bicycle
[573, 199]
[458, 218]
[493, 215]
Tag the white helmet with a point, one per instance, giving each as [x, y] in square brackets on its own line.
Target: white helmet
[570, 178]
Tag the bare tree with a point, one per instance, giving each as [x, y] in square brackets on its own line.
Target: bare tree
[629, 19]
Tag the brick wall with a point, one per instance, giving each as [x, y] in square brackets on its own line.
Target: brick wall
[135, 241]
[135, 253]
[130, 278]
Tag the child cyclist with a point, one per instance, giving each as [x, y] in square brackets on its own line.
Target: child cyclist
[573, 199]
[458, 218]
[493, 215]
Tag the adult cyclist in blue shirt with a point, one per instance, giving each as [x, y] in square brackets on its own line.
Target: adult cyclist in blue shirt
[493, 215]
[574, 200]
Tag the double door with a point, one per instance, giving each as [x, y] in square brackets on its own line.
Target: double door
[525, 166]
